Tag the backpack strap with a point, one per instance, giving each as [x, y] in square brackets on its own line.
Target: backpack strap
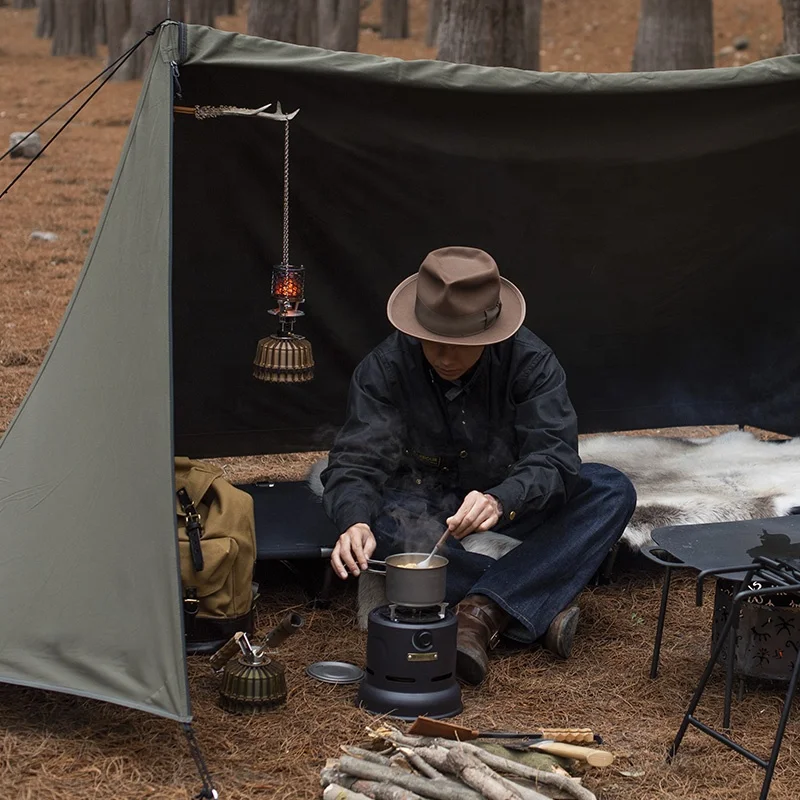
[194, 529]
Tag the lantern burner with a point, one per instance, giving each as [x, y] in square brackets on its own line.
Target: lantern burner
[288, 288]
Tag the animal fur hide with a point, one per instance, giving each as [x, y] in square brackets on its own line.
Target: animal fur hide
[684, 481]
[678, 482]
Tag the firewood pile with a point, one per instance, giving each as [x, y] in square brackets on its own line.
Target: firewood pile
[397, 766]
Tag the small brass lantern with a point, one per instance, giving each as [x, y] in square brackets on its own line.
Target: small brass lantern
[285, 356]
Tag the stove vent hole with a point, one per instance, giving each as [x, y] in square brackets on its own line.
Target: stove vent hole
[397, 679]
[442, 677]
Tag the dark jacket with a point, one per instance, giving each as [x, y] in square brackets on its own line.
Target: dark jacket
[509, 429]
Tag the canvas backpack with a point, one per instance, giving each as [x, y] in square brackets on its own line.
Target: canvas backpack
[217, 547]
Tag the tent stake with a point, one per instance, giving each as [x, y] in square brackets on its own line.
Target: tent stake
[208, 791]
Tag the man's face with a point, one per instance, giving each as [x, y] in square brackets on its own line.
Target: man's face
[451, 361]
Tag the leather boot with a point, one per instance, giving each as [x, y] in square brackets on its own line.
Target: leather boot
[560, 634]
[480, 623]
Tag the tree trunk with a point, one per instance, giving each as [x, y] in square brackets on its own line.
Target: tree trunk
[100, 22]
[674, 34]
[201, 12]
[117, 15]
[496, 33]
[23, 3]
[144, 14]
[307, 22]
[394, 19]
[338, 24]
[46, 20]
[533, 33]
[434, 17]
[791, 26]
[273, 19]
[73, 32]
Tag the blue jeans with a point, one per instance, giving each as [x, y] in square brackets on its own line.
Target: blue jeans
[559, 552]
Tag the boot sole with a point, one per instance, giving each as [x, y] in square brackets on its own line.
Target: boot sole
[562, 641]
[469, 669]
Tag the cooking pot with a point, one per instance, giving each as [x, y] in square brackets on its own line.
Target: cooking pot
[412, 587]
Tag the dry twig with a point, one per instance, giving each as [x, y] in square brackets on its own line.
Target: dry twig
[366, 755]
[419, 763]
[373, 789]
[336, 792]
[525, 792]
[477, 775]
[439, 789]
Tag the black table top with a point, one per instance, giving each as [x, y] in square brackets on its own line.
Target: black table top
[718, 545]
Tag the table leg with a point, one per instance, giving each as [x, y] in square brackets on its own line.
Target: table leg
[776, 746]
[660, 626]
[688, 717]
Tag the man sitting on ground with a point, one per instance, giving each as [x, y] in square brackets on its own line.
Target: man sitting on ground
[461, 418]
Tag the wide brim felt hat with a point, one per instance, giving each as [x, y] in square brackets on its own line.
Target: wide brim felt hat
[457, 297]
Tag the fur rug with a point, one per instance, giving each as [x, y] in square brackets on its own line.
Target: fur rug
[683, 481]
[678, 482]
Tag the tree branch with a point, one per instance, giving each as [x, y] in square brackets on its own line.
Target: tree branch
[373, 789]
[336, 792]
[438, 789]
[477, 775]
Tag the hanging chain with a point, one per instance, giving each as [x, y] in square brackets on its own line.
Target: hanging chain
[169, 9]
[286, 193]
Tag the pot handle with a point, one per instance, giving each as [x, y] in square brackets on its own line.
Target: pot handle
[371, 561]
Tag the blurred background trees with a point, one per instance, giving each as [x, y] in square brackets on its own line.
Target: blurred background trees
[671, 34]
[674, 34]
[791, 26]
[493, 32]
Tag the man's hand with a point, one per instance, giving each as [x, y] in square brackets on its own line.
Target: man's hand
[478, 512]
[353, 549]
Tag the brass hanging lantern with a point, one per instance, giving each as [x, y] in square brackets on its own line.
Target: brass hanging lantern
[285, 356]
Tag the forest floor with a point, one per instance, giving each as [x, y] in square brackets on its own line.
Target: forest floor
[55, 745]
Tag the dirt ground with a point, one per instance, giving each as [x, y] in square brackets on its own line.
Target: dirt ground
[55, 746]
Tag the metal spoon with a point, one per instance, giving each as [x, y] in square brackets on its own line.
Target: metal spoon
[426, 561]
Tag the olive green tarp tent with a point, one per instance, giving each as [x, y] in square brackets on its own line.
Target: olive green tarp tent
[650, 219]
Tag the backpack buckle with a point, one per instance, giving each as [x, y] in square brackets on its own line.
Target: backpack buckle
[191, 603]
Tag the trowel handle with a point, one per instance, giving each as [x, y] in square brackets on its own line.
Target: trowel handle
[593, 757]
[573, 735]
[226, 652]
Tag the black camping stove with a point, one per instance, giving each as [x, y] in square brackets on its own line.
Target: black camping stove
[411, 663]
